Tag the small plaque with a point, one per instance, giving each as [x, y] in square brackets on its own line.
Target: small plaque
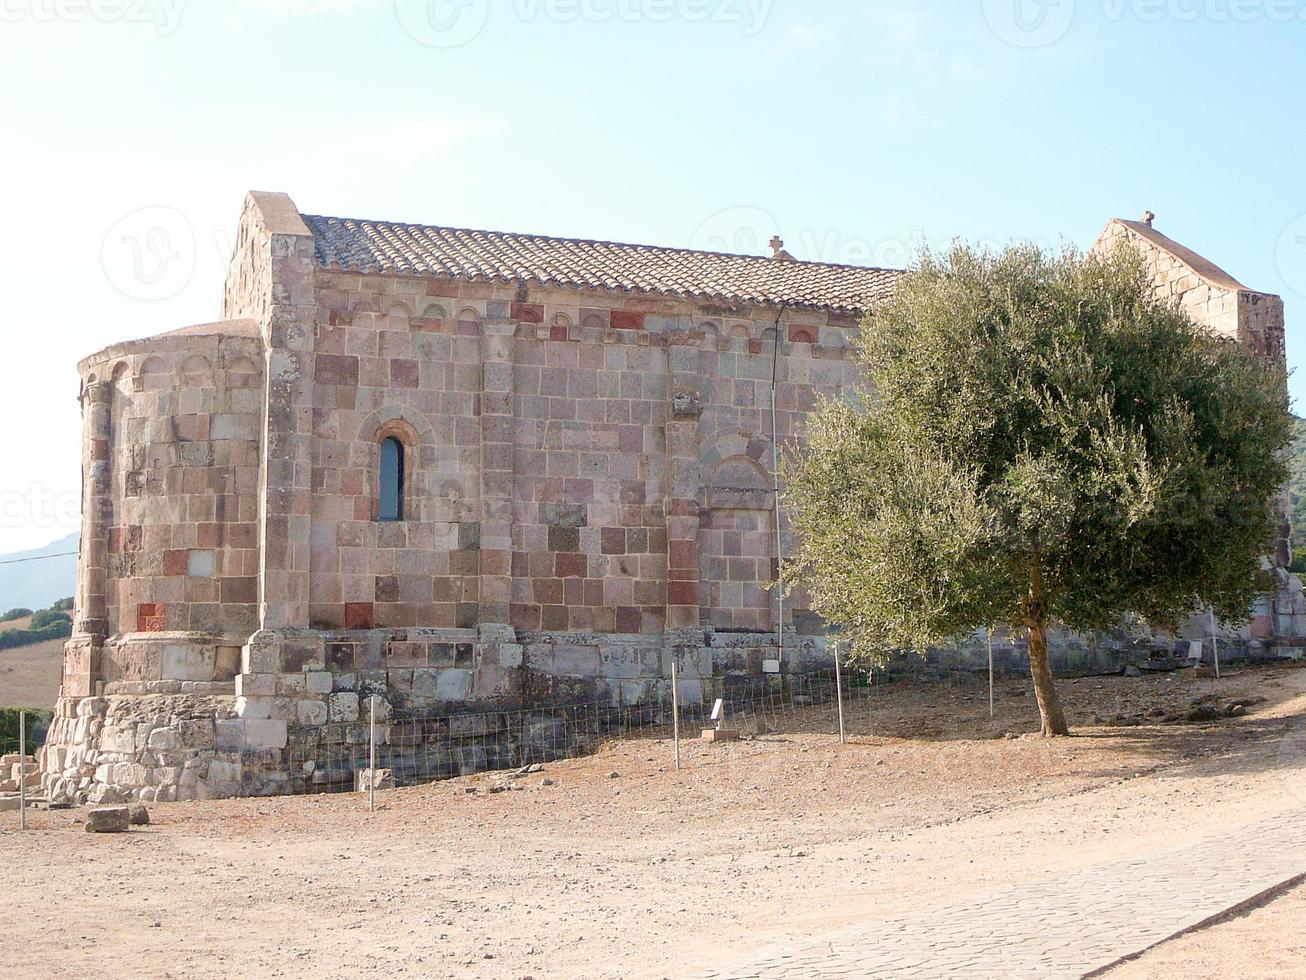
[770, 666]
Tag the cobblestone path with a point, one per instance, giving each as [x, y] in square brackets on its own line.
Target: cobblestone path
[1057, 927]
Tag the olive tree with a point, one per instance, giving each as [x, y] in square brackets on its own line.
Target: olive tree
[1041, 441]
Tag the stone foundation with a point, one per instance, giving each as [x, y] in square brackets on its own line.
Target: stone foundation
[448, 703]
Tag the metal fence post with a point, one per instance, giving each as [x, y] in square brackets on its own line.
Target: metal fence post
[675, 710]
[371, 756]
[1215, 645]
[838, 691]
[989, 634]
[22, 770]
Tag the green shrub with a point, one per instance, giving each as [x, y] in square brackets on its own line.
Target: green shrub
[16, 613]
[64, 605]
[38, 723]
[47, 617]
[58, 630]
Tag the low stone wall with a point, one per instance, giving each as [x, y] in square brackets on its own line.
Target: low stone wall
[453, 702]
[447, 702]
[1075, 655]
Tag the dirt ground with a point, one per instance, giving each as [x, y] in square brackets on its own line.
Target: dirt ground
[1267, 943]
[29, 676]
[616, 865]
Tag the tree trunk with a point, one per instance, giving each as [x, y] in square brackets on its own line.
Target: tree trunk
[1045, 689]
[1040, 667]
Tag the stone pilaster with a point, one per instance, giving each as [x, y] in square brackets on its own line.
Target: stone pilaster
[684, 482]
[286, 490]
[498, 468]
[286, 479]
[80, 668]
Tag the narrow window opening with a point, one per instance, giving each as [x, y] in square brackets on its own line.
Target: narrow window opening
[392, 480]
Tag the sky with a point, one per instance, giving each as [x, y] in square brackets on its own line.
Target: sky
[856, 130]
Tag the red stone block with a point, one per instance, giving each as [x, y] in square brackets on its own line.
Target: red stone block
[335, 369]
[682, 593]
[683, 554]
[613, 540]
[754, 347]
[558, 332]
[547, 591]
[628, 619]
[208, 535]
[525, 617]
[442, 287]
[625, 320]
[490, 563]
[801, 335]
[570, 565]
[150, 618]
[404, 373]
[175, 562]
[528, 312]
[359, 615]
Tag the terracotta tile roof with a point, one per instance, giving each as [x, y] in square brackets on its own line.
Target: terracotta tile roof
[459, 253]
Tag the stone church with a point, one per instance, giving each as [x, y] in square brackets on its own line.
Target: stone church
[460, 470]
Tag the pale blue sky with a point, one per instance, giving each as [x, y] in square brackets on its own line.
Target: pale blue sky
[855, 129]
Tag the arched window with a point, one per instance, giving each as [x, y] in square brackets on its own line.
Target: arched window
[392, 480]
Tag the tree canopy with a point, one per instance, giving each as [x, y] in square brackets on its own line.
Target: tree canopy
[1041, 440]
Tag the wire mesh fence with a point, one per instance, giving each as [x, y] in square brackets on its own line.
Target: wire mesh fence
[423, 750]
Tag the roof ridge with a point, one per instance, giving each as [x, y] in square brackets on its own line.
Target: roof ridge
[535, 236]
[1200, 265]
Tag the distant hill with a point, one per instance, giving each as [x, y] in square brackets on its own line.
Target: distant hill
[38, 584]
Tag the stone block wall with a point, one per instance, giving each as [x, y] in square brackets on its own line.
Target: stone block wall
[1205, 292]
[574, 461]
[175, 425]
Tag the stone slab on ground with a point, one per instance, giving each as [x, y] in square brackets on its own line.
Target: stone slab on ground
[108, 820]
[1057, 927]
